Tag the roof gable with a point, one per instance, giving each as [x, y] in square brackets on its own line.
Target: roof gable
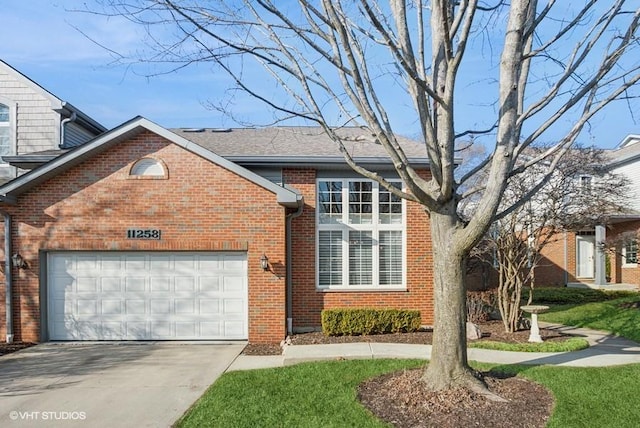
[11, 190]
[56, 103]
[627, 151]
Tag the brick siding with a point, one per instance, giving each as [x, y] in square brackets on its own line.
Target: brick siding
[308, 301]
[200, 207]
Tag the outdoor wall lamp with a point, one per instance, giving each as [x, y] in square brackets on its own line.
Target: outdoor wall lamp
[264, 262]
[18, 261]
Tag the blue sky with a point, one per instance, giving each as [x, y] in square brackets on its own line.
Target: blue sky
[41, 42]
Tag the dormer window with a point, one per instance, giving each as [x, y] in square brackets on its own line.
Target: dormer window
[149, 168]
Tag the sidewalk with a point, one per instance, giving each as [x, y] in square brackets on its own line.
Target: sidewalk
[605, 350]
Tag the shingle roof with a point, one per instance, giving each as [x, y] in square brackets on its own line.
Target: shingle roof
[294, 142]
[628, 150]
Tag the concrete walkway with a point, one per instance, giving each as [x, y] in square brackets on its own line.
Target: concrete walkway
[605, 350]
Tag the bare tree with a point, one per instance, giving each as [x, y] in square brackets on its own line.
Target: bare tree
[582, 193]
[341, 62]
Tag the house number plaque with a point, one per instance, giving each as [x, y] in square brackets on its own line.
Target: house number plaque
[144, 233]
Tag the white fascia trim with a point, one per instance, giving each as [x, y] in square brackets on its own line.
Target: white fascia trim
[628, 139]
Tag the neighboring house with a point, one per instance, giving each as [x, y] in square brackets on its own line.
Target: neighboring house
[605, 255]
[33, 120]
[145, 234]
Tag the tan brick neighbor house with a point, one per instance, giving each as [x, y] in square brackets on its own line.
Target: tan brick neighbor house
[148, 234]
[605, 256]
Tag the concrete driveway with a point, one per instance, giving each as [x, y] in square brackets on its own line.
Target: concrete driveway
[107, 384]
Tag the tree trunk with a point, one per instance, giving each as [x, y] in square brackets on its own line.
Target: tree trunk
[448, 366]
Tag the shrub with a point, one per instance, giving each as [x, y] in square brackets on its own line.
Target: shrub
[573, 296]
[480, 305]
[353, 322]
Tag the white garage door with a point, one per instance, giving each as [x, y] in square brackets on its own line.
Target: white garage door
[147, 296]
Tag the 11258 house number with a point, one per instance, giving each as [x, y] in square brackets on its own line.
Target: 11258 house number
[144, 233]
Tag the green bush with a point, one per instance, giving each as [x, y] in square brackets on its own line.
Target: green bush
[573, 296]
[355, 322]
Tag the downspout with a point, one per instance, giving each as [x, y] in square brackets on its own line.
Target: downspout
[289, 284]
[8, 277]
[566, 261]
[63, 124]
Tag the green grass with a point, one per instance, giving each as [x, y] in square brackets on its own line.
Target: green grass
[565, 296]
[588, 397]
[324, 395]
[304, 395]
[607, 316]
[572, 344]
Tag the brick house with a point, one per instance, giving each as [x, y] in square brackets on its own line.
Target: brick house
[33, 120]
[199, 234]
[578, 257]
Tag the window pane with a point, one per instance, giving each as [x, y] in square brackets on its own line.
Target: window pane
[631, 252]
[330, 258]
[330, 201]
[4, 114]
[390, 257]
[360, 202]
[5, 141]
[360, 258]
[390, 207]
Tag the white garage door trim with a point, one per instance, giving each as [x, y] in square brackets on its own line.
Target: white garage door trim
[147, 296]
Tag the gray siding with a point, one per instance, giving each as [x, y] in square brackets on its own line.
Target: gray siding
[36, 123]
[632, 171]
[75, 135]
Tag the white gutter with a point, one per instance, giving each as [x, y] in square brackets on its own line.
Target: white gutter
[63, 124]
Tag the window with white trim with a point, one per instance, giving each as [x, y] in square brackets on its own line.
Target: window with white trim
[148, 168]
[5, 131]
[361, 235]
[630, 254]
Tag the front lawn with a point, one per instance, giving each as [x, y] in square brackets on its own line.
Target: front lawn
[609, 315]
[324, 395]
[305, 395]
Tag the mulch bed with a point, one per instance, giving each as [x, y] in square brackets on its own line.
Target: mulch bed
[400, 399]
[491, 330]
[8, 348]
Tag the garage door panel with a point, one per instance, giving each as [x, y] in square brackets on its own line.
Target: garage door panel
[185, 306]
[210, 306]
[87, 285]
[160, 284]
[133, 284]
[233, 262]
[185, 283]
[161, 330]
[147, 296]
[111, 307]
[110, 284]
[162, 307]
[233, 328]
[112, 331]
[233, 283]
[209, 284]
